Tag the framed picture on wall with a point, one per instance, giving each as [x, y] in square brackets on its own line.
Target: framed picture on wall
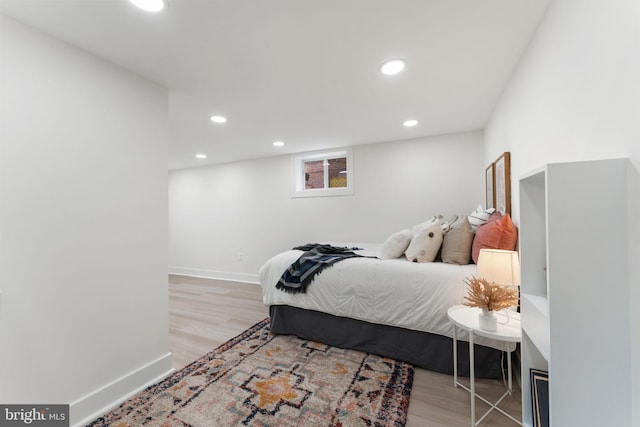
[489, 182]
[502, 189]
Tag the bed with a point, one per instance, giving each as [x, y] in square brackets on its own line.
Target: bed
[392, 307]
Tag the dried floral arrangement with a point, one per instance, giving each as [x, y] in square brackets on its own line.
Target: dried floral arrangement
[485, 294]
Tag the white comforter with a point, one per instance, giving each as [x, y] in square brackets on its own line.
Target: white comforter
[392, 292]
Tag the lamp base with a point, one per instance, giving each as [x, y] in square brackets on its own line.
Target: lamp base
[488, 320]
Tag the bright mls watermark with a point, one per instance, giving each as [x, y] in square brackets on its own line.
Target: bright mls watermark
[34, 415]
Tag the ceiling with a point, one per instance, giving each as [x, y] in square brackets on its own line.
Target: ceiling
[302, 71]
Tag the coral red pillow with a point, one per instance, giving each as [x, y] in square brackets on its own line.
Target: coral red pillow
[497, 233]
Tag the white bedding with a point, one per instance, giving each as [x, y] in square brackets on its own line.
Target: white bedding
[394, 292]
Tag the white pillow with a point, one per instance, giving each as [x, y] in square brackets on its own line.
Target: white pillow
[425, 244]
[479, 217]
[396, 244]
[425, 224]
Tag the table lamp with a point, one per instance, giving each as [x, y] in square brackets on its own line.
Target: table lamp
[501, 267]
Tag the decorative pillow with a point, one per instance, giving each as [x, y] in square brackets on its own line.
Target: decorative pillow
[479, 216]
[456, 246]
[498, 233]
[425, 244]
[425, 224]
[396, 244]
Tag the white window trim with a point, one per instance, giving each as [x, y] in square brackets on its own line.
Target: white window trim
[297, 170]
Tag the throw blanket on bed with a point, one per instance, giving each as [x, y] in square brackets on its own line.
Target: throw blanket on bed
[316, 258]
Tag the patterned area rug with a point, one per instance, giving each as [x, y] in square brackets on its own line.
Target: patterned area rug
[258, 379]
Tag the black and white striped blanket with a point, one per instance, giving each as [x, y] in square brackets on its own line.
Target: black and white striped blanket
[316, 258]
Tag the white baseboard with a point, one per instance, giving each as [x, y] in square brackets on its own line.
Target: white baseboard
[218, 275]
[102, 400]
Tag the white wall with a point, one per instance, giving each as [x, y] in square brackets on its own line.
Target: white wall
[576, 96]
[83, 225]
[216, 212]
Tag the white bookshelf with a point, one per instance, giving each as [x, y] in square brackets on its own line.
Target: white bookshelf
[575, 290]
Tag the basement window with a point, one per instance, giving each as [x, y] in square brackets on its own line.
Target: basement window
[323, 173]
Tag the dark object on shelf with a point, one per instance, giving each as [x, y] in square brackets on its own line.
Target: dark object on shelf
[540, 397]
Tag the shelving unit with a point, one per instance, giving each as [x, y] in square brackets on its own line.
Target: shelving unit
[534, 301]
[575, 290]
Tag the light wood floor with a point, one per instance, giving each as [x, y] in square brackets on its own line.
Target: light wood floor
[205, 313]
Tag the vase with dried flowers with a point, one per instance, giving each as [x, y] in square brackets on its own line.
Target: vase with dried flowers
[490, 298]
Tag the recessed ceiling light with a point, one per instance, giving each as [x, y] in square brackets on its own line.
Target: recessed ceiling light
[391, 67]
[410, 123]
[278, 144]
[218, 119]
[201, 156]
[149, 5]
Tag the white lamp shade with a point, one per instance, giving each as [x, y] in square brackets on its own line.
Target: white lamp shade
[499, 266]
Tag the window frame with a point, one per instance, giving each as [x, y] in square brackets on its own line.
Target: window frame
[298, 173]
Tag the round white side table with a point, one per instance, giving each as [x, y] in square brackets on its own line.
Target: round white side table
[509, 330]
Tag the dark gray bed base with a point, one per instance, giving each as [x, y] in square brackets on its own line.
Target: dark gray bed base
[429, 351]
